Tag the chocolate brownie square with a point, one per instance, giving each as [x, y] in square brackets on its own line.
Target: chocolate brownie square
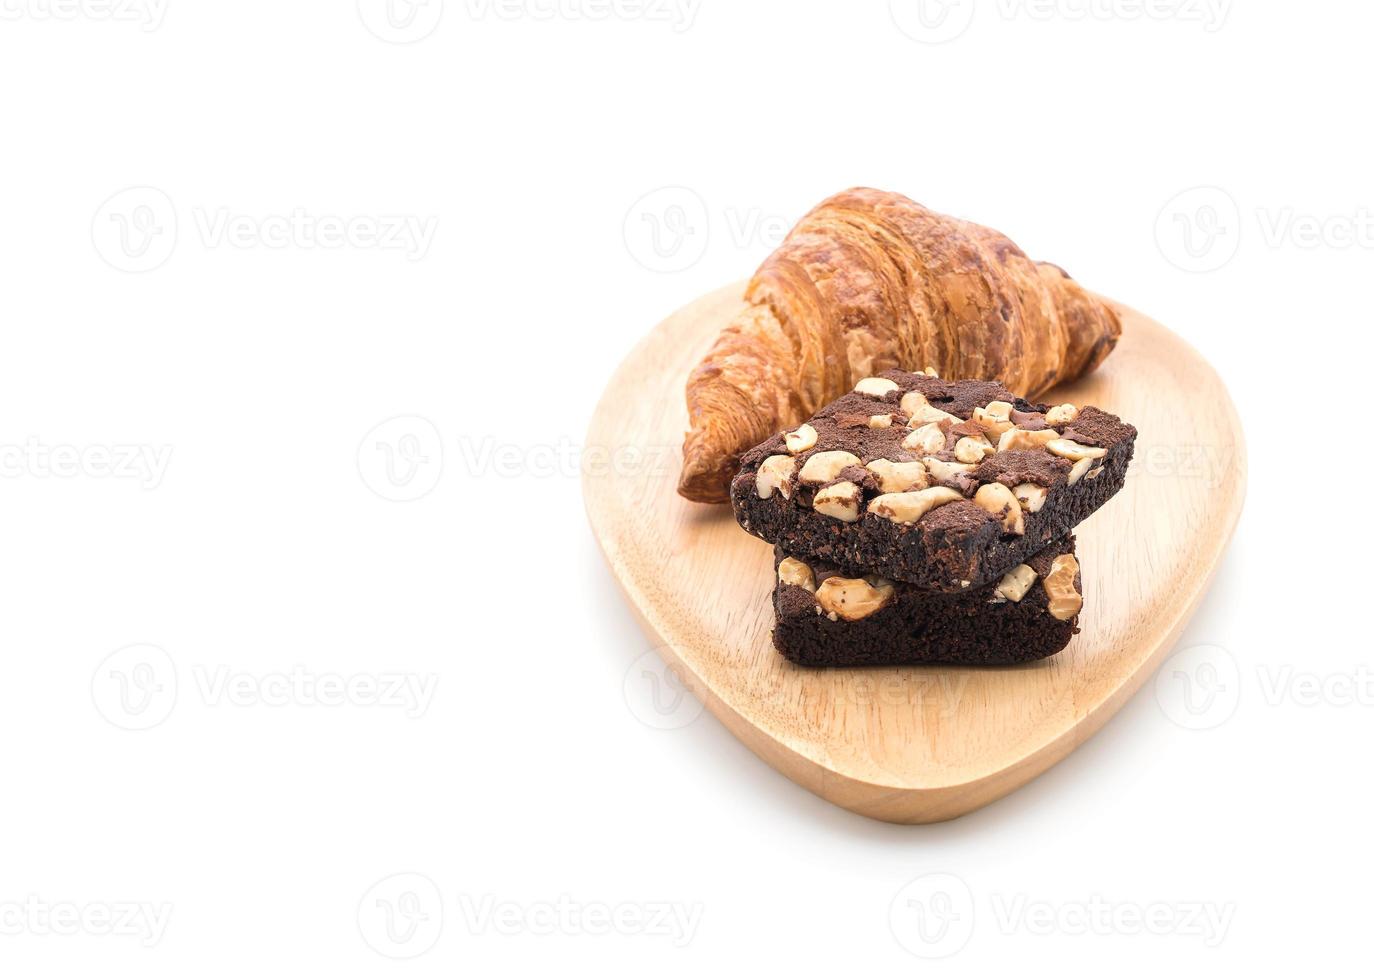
[941, 484]
[826, 619]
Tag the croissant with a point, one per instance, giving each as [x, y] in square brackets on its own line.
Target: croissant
[868, 281]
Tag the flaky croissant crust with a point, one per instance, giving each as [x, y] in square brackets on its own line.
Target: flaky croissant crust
[867, 281]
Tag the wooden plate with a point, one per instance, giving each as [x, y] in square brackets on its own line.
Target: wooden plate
[916, 744]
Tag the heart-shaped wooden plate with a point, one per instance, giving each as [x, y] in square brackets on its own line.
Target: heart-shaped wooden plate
[916, 744]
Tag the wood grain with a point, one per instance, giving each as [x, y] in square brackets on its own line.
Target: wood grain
[916, 744]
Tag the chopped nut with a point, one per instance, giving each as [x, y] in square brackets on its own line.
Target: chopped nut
[1065, 602]
[991, 426]
[944, 471]
[875, 387]
[998, 501]
[898, 477]
[1025, 439]
[851, 599]
[775, 474]
[840, 501]
[824, 467]
[1072, 450]
[1000, 411]
[1061, 415]
[793, 571]
[929, 438]
[801, 440]
[910, 507]
[929, 413]
[1015, 583]
[1095, 472]
[1031, 496]
[971, 450]
[913, 401]
[1079, 469]
[930, 371]
[880, 421]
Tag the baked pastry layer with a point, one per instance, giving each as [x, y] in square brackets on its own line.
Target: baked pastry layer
[871, 281]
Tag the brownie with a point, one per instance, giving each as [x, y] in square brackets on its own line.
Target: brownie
[940, 484]
[825, 619]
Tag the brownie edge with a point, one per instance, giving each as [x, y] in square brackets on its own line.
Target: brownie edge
[943, 485]
[874, 622]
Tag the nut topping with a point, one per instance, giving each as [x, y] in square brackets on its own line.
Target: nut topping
[972, 450]
[1061, 415]
[898, 477]
[998, 411]
[929, 438]
[1075, 451]
[1078, 470]
[852, 599]
[945, 472]
[793, 571]
[1065, 602]
[880, 421]
[998, 501]
[1031, 496]
[840, 501]
[824, 467]
[910, 507]
[913, 401]
[992, 426]
[801, 440]
[1015, 583]
[875, 387]
[929, 413]
[775, 474]
[1025, 439]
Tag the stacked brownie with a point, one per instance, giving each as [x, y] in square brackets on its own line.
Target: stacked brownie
[923, 521]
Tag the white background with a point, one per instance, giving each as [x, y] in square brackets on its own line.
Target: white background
[260, 823]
